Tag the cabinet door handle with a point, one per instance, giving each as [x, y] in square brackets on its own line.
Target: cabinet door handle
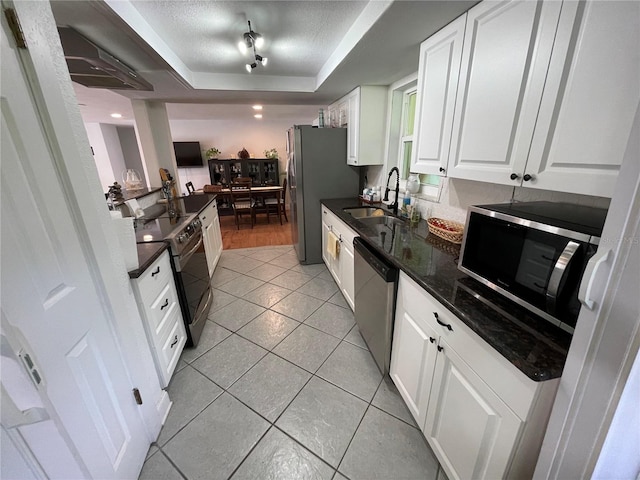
[514, 176]
[166, 304]
[432, 340]
[442, 170]
[440, 348]
[175, 340]
[528, 177]
[157, 271]
[435, 314]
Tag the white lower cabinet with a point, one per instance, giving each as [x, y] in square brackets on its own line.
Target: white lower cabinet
[482, 417]
[472, 431]
[157, 300]
[412, 364]
[212, 235]
[342, 266]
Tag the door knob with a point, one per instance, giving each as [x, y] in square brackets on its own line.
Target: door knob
[514, 176]
[528, 177]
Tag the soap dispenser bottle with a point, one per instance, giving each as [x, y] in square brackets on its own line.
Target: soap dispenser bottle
[406, 201]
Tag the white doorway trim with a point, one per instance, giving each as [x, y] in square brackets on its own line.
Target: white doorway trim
[51, 87]
[606, 339]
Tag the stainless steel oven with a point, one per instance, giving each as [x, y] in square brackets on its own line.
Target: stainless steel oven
[193, 285]
[184, 234]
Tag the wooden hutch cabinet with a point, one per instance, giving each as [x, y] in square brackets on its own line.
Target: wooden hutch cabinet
[263, 171]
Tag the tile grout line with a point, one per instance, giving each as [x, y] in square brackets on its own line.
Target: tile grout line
[312, 374]
[196, 415]
[172, 463]
[369, 405]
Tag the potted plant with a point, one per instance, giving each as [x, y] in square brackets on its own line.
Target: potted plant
[271, 154]
[212, 153]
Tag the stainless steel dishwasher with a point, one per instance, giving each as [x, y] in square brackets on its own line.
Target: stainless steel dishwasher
[375, 291]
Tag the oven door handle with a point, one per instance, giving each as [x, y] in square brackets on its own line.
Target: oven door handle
[558, 273]
[184, 258]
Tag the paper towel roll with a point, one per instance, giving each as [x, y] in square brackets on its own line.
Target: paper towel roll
[134, 207]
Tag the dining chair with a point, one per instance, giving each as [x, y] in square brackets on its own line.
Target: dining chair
[278, 203]
[242, 201]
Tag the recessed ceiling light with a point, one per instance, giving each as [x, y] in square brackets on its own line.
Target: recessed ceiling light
[258, 115]
[257, 107]
[116, 115]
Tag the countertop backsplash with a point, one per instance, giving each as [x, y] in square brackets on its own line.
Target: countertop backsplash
[457, 195]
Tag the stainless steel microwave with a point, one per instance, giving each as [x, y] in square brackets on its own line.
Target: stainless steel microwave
[534, 253]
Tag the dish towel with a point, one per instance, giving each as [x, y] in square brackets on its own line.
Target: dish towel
[333, 245]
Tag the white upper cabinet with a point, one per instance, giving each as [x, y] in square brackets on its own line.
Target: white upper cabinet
[362, 111]
[506, 52]
[589, 100]
[438, 72]
[545, 95]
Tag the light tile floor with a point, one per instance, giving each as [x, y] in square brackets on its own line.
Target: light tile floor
[281, 386]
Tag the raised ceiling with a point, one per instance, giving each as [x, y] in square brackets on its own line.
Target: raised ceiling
[317, 50]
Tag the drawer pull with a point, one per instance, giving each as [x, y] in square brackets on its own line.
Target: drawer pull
[435, 314]
[432, 340]
[175, 340]
[166, 304]
[440, 348]
[157, 271]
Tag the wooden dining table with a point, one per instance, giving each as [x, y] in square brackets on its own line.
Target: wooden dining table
[266, 191]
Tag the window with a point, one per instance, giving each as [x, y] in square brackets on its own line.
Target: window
[432, 182]
[406, 131]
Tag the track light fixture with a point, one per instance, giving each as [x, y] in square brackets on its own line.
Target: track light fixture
[251, 40]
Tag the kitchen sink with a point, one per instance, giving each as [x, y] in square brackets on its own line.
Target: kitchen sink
[365, 212]
[387, 220]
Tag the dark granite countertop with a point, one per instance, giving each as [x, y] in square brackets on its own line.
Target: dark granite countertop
[536, 347]
[147, 254]
[135, 194]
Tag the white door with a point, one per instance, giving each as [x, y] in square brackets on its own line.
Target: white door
[325, 238]
[49, 294]
[589, 99]
[507, 46]
[471, 430]
[353, 126]
[436, 97]
[347, 273]
[413, 353]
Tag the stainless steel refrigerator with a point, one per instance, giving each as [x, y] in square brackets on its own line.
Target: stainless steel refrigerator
[317, 169]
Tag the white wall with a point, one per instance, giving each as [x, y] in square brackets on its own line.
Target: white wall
[231, 136]
[457, 195]
[106, 154]
[130, 150]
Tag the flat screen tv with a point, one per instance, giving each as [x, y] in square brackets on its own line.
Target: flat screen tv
[188, 154]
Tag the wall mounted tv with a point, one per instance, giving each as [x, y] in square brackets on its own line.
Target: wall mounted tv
[188, 154]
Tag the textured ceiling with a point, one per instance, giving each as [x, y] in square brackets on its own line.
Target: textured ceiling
[299, 35]
[318, 50]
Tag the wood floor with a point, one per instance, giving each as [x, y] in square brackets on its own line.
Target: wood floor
[262, 233]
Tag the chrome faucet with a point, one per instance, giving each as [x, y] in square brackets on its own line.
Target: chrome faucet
[394, 205]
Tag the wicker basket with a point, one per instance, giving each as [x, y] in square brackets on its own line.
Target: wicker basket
[452, 233]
